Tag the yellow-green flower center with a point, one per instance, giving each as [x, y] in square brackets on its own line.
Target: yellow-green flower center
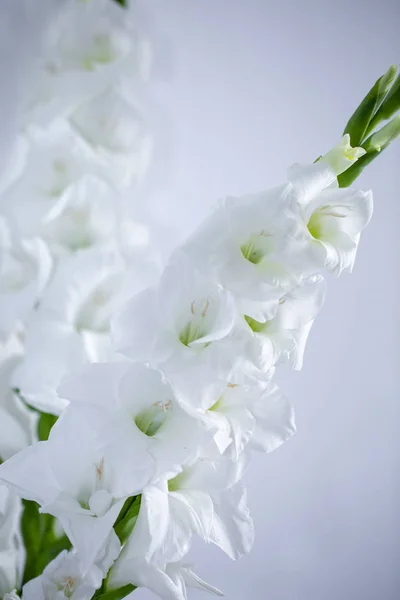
[257, 247]
[151, 419]
[314, 225]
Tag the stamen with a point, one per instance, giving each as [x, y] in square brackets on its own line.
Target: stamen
[332, 213]
[69, 584]
[163, 405]
[205, 309]
[100, 469]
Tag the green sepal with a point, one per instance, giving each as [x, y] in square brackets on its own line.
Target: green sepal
[359, 123]
[127, 518]
[123, 3]
[41, 543]
[116, 594]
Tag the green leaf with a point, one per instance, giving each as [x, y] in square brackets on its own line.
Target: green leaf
[31, 528]
[127, 518]
[45, 423]
[122, 2]
[40, 540]
[117, 594]
[359, 122]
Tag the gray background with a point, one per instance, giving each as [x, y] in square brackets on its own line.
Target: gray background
[254, 86]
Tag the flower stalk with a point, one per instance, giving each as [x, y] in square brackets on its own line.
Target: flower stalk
[380, 104]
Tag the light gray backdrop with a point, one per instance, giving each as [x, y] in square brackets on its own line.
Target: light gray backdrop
[257, 85]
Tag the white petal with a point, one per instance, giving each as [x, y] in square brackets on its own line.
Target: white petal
[134, 327]
[338, 217]
[194, 581]
[52, 350]
[28, 473]
[308, 181]
[96, 384]
[274, 420]
[88, 534]
[151, 526]
[191, 511]
[302, 304]
[142, 574]
[232, 528]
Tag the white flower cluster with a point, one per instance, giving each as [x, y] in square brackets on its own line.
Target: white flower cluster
[164, 385]
[68, 231]
[152, 443]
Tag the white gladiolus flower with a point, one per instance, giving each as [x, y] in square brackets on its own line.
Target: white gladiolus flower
[250, 245]
[109, 122]
[117, 133]
[87, 215]
[196, 501]
[87, 47]
[183, 326]
[86, 498]
[332, 218]
[25, 268]
[71, 326]
[64, 578]
[135, 410]
[168, 581]
[342, 156]
[90, 36]
[56, 160]
[246, 411]
[283, 338]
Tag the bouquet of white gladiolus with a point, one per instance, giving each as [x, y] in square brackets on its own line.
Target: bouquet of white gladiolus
[134, 388]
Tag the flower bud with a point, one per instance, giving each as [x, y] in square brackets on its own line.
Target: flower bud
[342, 156]
[382, 138]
